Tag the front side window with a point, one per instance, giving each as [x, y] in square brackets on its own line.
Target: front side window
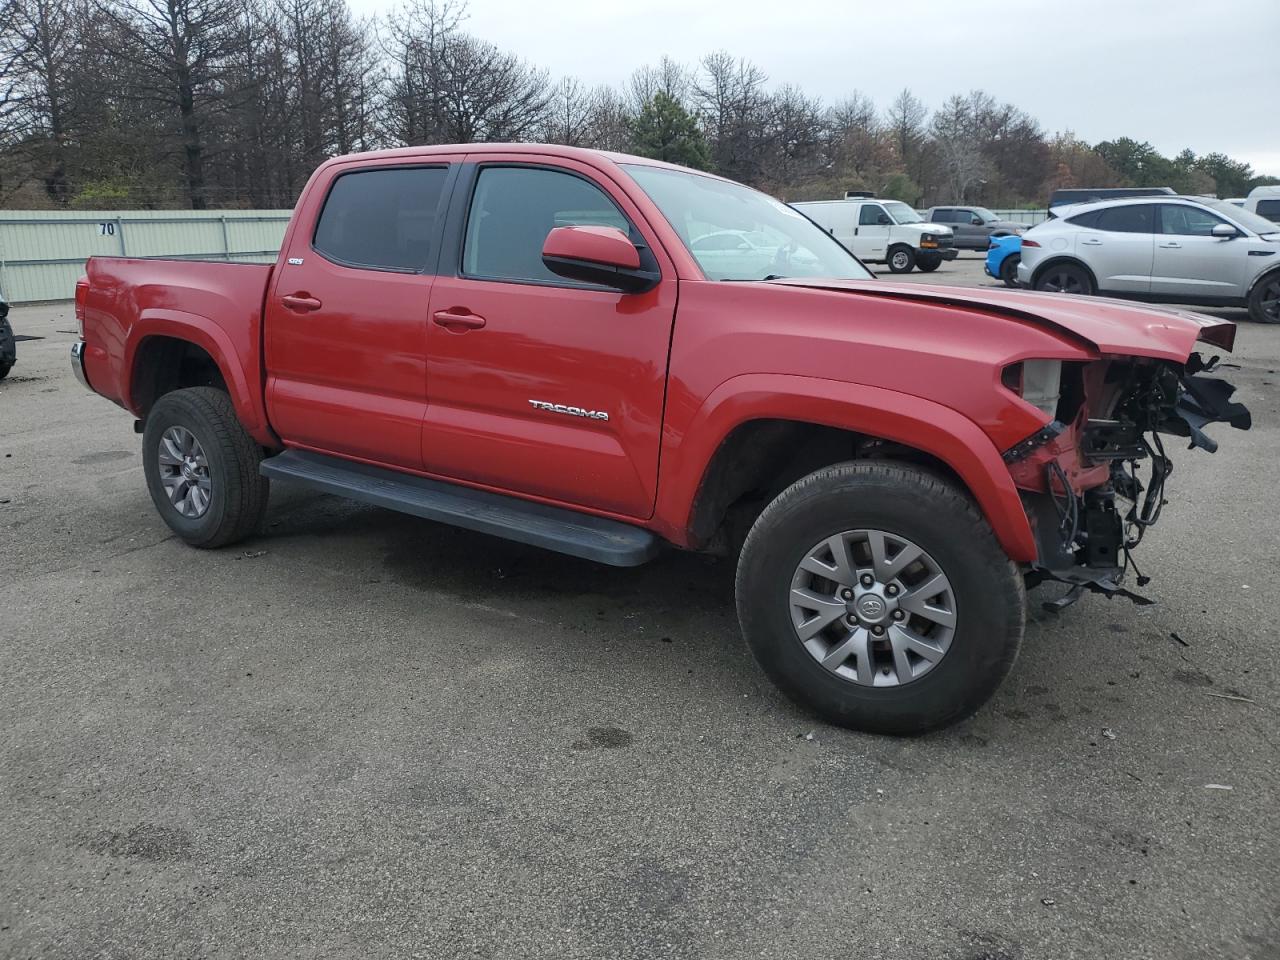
[1138, 218]
[512, 211]
[777, 241]
[382, 219]
[1187, 221]
[870, 214]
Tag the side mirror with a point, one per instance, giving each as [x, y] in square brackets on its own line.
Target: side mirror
[1225, 231]
[976, 221]
[884, 220]
[600, 255]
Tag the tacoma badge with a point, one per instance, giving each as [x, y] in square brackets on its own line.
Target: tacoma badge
[571, 411]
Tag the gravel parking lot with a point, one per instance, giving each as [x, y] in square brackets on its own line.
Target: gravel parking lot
[365, 735]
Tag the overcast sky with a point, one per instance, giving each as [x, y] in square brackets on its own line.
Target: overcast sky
[1203, 74]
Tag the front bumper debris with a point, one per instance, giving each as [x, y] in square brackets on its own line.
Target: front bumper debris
[1092, 487]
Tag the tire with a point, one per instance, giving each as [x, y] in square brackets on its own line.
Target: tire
[8, 348]
[1009, 270]
[1065, 278]
[928, 264]
[1264, 300]
[985, 594]
[901, 259]
[234, 494]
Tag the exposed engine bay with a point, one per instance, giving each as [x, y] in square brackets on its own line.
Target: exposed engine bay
[1093, 480]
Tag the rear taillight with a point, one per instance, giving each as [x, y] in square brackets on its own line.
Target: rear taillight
[1029, 243]
[82, 290]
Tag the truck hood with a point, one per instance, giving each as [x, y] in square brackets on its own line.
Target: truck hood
[1114, 327]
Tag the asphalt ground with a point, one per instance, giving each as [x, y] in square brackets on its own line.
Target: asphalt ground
[366, 735]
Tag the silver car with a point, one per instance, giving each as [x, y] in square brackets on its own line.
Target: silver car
[1171, 250]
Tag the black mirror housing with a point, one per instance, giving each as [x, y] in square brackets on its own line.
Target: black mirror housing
[624, 279]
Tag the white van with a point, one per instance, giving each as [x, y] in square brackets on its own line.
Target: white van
[1265, 202]
[884, 231]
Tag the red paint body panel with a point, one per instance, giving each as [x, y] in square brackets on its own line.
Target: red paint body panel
[217, 306]
[354, 364]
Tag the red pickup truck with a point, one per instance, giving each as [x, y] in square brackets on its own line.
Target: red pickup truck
[605, 355]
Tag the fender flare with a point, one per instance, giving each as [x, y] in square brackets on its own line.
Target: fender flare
[874, 411]
[246, 395]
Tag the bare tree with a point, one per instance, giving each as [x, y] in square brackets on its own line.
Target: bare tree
[570, 115]
[904, 121]
[39, 49]
[611, 121]
[180, 52]
[733, 105]
[668, 77]
[955, 137]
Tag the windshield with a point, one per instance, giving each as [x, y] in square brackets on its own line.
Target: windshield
[902, 213]
[985, 214]
[736, 233]
[1246, 218]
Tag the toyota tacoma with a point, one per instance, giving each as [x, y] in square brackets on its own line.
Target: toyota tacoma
[531, 342]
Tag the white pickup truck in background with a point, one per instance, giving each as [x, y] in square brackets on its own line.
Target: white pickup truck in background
[884, 231]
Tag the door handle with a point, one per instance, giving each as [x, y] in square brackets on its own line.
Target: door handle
[458, 318]
[1171, 245]
[301, 302]
[1091, 243]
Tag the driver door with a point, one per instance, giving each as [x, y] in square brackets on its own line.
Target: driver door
[871, 235]
[545, 387]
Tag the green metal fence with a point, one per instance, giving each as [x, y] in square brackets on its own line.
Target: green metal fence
[42, 252]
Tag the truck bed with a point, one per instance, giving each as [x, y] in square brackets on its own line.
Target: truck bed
[129, 301]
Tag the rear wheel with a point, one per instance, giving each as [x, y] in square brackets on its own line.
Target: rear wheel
[901, 260]
[876, 595]
[1065, 278]
[928, 263]
[1009, 270]
[202, 468]
[8, 348]
[1264, 301]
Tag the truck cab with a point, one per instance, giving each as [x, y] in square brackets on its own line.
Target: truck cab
[884, 231]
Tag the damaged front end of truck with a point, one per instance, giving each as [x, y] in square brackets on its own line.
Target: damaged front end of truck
[1093, 480]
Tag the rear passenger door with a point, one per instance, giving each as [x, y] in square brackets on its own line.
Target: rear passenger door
[539, 385]
[1118, 245]
[346, 317]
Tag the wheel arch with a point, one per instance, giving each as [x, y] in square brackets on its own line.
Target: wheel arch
[757, 430]
[1067, 259]
[169, 350]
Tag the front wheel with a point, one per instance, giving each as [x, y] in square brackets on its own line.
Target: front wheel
[1065, 278]
[875, 594]
[928, 264]
[1009, 270]
[1264, 301]
[202, 468]
[901, 260]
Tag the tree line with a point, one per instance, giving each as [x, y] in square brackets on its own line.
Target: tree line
[232, 103]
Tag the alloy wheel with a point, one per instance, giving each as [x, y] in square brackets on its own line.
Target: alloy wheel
[873, 608]
[184, 472]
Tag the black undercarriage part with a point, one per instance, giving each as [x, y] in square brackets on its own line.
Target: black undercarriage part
[1087, 540]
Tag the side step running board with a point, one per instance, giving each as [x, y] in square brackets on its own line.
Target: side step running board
[553, 528]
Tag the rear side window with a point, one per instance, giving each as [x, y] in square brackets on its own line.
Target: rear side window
[1139, 218]
[870, 215]
[382, 219]
[1089, 219]
[944, 216]
[1269, 209]
[514, 208]
[1187, 221]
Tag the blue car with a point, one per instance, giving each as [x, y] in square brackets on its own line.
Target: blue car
[1003, 256]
